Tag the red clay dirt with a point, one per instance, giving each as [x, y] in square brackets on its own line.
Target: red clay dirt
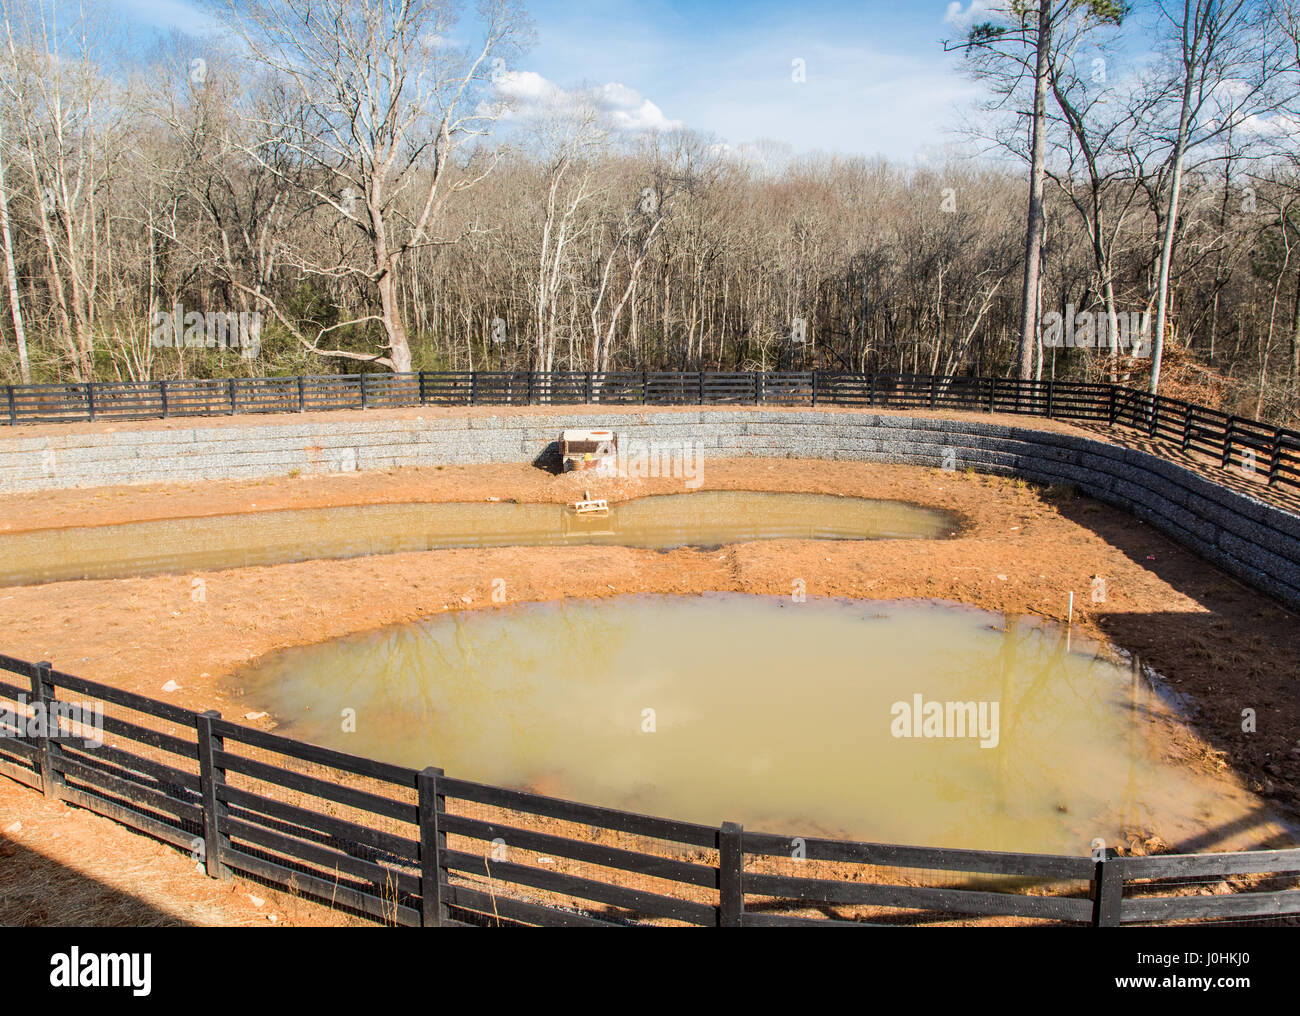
[1022, 549]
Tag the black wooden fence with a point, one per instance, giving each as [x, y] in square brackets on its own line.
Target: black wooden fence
[410, 847]
[1270, 451]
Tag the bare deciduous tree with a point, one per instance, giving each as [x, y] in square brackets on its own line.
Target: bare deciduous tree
[378, 103]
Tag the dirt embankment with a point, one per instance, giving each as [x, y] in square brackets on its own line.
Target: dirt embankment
[1022, 550]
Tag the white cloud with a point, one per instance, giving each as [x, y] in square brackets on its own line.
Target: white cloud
[435, 41]
[528, 96]
[1232, 88]
[765, 156]
[976, 12]
[525, 88]
[631, 111]
[1279, 125]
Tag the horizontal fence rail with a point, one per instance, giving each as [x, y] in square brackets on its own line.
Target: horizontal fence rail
[1273, 452]
[419, 848]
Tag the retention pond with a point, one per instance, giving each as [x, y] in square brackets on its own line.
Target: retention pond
[923, 723]
[705, 519]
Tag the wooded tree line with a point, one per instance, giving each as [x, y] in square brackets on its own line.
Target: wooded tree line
[363, 183]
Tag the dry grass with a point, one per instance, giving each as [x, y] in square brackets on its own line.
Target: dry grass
[61, 866]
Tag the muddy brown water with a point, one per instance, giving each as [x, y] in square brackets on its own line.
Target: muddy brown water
[794, 718]
[705, 519]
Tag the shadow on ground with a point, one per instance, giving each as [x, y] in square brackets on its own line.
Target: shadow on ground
[37, 891]
[1237, 657]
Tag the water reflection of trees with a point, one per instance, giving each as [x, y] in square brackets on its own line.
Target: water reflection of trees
[458, 687]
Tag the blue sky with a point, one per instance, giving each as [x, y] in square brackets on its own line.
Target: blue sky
[877, 79]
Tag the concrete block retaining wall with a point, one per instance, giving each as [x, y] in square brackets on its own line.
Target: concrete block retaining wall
[1246, 537]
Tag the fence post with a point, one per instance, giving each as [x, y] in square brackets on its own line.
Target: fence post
[1275, 462]
[588, 381]
[233, 407]
[871, 401]
[1155, 415]
[42, 701]
[1228, 429]
[934, 385]
[731, 874]
[90, 400]
[420, 381]
[1114, 395]
[1051, 397]
[473, 388]
[758, 387]
[699, 381]
[365, 402]
[433, 841]
[13, 414]
[814, 389]
[645, 386]
[531, 377]
[162, 394]
[1187, 427]
[1107, 890]
[211, 776]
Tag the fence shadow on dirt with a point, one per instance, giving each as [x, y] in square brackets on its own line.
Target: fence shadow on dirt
[37, 890]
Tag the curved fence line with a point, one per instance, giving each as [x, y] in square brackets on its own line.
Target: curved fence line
[410, 847]
[1273, 451]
